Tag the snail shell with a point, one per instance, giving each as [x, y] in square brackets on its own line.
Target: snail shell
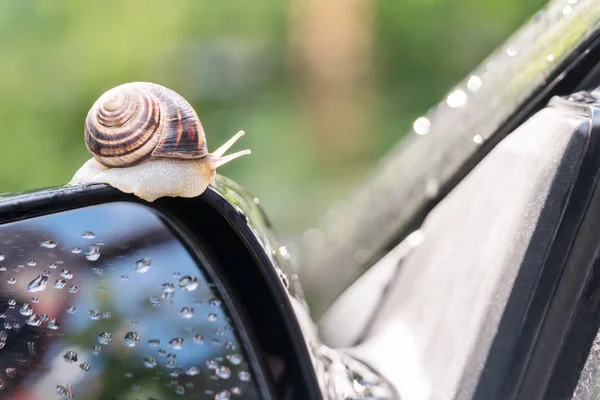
[135, 121]
[147, 140]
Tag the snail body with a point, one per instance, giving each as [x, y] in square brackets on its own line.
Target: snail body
[148, 140]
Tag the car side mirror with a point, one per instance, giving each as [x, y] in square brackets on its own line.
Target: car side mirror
[105, 296]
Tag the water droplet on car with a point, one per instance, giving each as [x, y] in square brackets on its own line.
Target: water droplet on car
[421, 126]
[212, 364]
[219, 331]
[52, 266]
[11, 281]
[70, 357]
[143, 265]
[49, 244]
[457, 98]
[71, 309]
[171, 364]
[154, 342]
[192, 371]
[186, 312]
[179, 389]
[11, 372]
[85, 366]
[35, 300]
[52, 324]
[93, 254]
[124, 277]
[175, 373]
[97, 350]
[230, 346]
[31, 347]
[132, 339]
[511, 51]
[31, 263]
[73, 289]
[176, 275]
[550, 57]
[188, 283]
[11, 302]
[155, 301]
[94, 315]
[176, 343]
[104, 338]
[2, 269]
[76, 250]
[244, 376]
[235, 359]
[478, 139]
[236, 390]
[26, 309]
[128, 374]
[162, 352]
[88, 235]
[212, 317]
[149, 362]
[60, 283]
[34, 320]
[66, 273]
[567, 10]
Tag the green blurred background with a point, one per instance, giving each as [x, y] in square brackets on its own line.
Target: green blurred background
[323, 88]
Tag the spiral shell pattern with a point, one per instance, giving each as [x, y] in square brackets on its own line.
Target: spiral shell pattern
[135, 121]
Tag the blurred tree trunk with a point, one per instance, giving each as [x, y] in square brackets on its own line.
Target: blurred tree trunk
[332, 57]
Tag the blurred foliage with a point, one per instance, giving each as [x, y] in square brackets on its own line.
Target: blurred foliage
[280, 70]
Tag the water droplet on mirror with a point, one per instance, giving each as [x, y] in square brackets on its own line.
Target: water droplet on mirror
[106, 315]
[212, 317]
[212, 364]
[124, 277]
[88, 235]
[132, 339]
[143, 265]
[94, 315]
[11, 302]
[155, 301]
[34, 320]
[26, 309]
[104, 338]
[162, 352]
[179, 389]
[52, 266]
[421, 126]
[511, 51]
[236, 390]
[93, 254]
[550, 57]
[235, 359]
[35, 300]
[244, 376]
[192, 371]
[2, 269]
[11, 372]
[97, 350]
[478, 139]
[65, 392]
[219, 331]
[149, 362]
[176, 372]
[186, 312]
[230, 346]
[49, 244]
[567, 10]
[214, 302]
[168, 288]
[128, 375]
[73, 289]
[176, 343]
[70, 357]
[66, 273]
[52, 324]
[188, 283]
[11, 281]
[75, 250]
[223, 372]
[154, 342]
[224, 395]
[31, 346]
[199, 338]
[31, 263]
[60, 283]
[71, 309]
[171, 364]
[176, 275]
[85, 366]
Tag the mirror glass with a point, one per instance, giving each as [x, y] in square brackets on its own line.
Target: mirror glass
[104, 302]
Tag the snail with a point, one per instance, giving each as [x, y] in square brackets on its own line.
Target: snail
[147, 140]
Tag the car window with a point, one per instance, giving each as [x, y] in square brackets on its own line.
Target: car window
[105, 302]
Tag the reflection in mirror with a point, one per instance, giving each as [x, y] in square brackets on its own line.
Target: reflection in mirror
[104, 302]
